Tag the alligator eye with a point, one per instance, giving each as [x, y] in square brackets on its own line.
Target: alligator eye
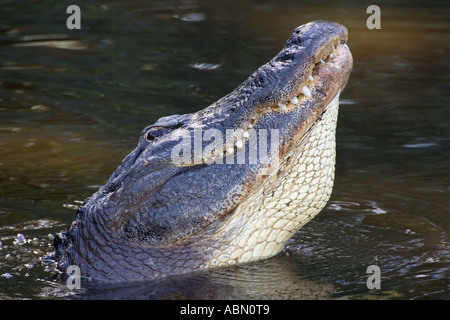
[150, 137]
[156, 132]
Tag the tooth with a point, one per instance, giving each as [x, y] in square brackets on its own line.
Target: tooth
[246, 134]
[345, 45]
[306, 91]
[321, 61]
[230, 150]
[331, 56]
[294, 100]
[310, 77]
[239, 144]
[282, 106]
[250, 126]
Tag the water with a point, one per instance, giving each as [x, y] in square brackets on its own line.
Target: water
[72, 104]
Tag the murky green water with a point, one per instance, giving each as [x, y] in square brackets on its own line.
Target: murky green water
[72, 103]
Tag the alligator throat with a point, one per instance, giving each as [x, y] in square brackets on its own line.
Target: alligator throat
[228, 184]
[288, 199]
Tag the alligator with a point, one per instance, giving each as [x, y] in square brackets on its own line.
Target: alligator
[226, 185]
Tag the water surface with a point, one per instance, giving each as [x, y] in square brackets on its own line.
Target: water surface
[73, 102]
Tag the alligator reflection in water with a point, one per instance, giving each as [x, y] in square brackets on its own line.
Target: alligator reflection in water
[274, 278]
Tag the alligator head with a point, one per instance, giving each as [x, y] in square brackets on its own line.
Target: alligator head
[228, 184]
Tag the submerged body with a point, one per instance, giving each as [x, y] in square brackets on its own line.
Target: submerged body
[228, 184]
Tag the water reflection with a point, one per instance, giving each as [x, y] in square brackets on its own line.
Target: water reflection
[274, 279]
[58, 41]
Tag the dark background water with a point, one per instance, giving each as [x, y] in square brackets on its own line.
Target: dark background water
[73, 102]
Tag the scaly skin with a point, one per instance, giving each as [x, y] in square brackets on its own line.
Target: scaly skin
[160, 214]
